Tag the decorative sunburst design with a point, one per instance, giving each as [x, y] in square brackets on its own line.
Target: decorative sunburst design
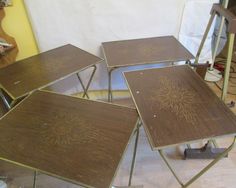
[178, 99]
[147, 50]
[67, 129]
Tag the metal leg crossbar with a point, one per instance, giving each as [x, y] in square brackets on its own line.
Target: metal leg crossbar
[184, 185]
[85, 89]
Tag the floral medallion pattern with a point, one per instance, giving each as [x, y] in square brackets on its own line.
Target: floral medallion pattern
[177, 99]
[71, 130]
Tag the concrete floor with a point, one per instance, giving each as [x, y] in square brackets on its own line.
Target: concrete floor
[150, 170]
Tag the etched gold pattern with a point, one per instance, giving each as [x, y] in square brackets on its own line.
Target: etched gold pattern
[73, 130]
[178, 99]
[147, 50]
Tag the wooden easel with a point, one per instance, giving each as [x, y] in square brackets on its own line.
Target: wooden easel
[230, 18]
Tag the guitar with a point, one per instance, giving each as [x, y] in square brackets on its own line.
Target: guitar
[8, 46]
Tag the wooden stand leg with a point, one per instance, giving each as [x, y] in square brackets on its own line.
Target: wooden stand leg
[228, 64]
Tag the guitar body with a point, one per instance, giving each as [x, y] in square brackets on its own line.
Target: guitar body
[9, 56]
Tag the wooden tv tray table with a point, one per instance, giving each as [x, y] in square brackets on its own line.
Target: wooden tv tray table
[177, 107]
[39, 71]
[67, 137]
[142, 51]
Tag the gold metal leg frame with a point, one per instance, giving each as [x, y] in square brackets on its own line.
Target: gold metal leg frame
[134, 152]
[35, 178]
[184, 185]
[5, 101]
[110, 97]
[9, 105]
[214, 143]
[228, 64]
[85, 89]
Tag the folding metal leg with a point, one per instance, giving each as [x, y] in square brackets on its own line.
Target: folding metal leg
[85, 89]
[9, 105]
[110, 97]
[193, 179]
[214, 143]
[5, 101]
[134, 154]
[228, 64]
[188, 146]
[14, 102]
[35, 179]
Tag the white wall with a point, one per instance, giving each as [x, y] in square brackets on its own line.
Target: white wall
[87, 23]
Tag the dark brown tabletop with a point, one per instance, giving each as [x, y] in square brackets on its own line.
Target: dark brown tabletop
[44, 69]
[77, 140]
[144, 51]
[177, 107]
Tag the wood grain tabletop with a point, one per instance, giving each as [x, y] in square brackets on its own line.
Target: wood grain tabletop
[43, 69]
[77, 140]
[144, 51]
[177, 107]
